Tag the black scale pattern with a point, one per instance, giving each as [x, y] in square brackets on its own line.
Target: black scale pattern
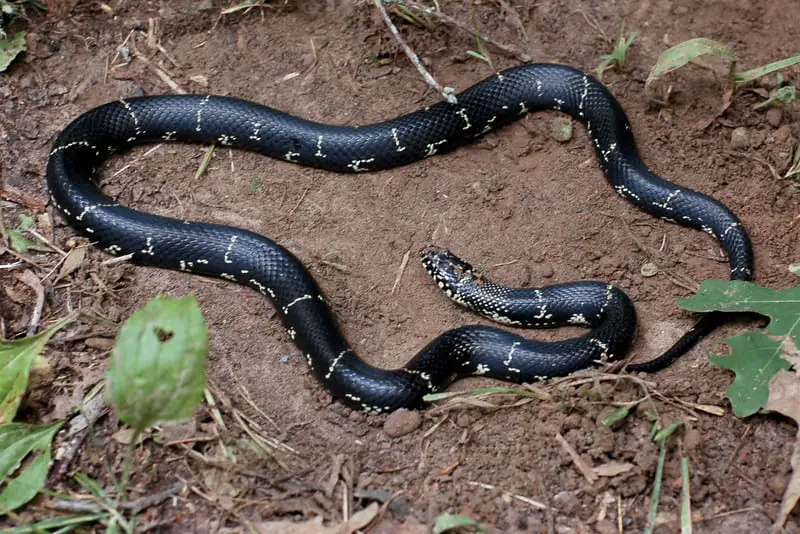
[256, 261]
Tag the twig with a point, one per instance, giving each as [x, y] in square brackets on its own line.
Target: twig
[585, 470]
[526, 500]
[90, 412]
[446, 92]
[504, 263]
[246, 396]
[400, 271]
[3, 232]
[466, 28]
[6, 250]
[32, 281]
[758, 160]
[46, 241]
[135, 507]
[591, 21]
[118, 259]
[161, 74]
[738, 448]
[300, 201]
[231, 467]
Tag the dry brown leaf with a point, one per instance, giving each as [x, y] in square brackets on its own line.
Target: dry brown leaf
[28, 278]
[72, 262]
[612, 469]
[358, 521]
[784, 390]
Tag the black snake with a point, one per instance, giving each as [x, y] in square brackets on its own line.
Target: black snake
[256, 261]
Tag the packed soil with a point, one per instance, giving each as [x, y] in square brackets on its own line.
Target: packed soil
[527, 208]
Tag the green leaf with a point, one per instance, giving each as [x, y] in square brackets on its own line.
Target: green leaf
[477, 55]
[794, 268]
[17, 442]
[664, 434]
[446, 522]
[158, 365]
[89, 485]
[755, 358]
[782, 306]
[16, 236]
[758, 72]
[67, 523]
[616, 416]
[682, 53]
[16, 359]
[10, 48]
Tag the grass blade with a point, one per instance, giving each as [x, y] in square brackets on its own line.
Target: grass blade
[656, 495]
[686, 503]
[758, 72]
[682, 53]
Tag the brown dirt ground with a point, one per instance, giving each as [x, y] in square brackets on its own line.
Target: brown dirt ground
[528, 209]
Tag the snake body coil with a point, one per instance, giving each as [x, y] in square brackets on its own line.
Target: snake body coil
[256, 261]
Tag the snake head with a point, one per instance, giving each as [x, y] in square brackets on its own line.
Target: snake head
[448, 270]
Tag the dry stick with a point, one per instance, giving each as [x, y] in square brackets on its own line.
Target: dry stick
[446, 92]
[401, 270]
[585, 469]
[134, 506]
[4, 241]
[78, 427]
[466, 28]
[28, 278]
[521, 498]
[46, 241]
[161, 74]
[118, 259]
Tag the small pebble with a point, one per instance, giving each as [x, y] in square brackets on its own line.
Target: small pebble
[401, 422]
[777, 484]
[783, 134]
[649, 269]
[546, 270]
[566, 502]
[561, 129]
[774, 116]
[463, 420]
[740, 138]
[571, 421]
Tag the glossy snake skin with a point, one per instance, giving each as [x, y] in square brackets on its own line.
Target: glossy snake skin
[253, 260]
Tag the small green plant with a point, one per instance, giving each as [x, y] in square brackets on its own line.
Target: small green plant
[755, 357]
[481, 53]
[24, 448]
[16, 236]
[11, 47]
[157, 371]
[410, 16]
[781, 95]
[447, 522]
[616, 59]
[690, 51]
[794, 169]
[157, 374]
[661, 436]
[766, 362]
